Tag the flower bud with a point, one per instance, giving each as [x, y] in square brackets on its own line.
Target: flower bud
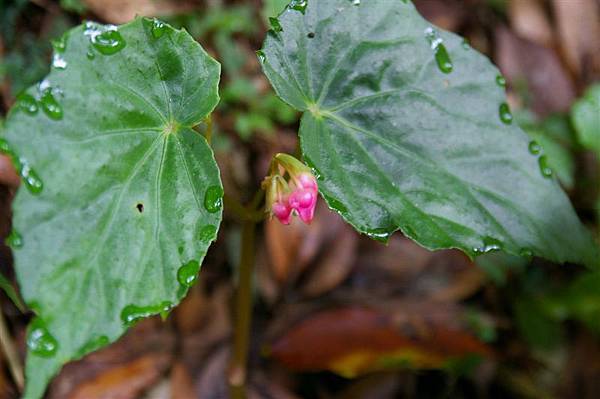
[296, 196]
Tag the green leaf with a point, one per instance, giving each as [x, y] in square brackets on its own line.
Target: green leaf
[121, 198]
[585, 115]
[407, 128]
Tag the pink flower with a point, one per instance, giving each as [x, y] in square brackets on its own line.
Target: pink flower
[297, 196]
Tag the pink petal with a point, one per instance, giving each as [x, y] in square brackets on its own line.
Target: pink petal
[282, 212]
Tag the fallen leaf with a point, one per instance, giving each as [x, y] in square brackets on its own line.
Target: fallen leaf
[125, 381]
[579, 35]
[182, 386]
[334, 265]
[529, 20]
[355, 340]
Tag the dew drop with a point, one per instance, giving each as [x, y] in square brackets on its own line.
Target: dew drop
[261, 56]
[534, 147]
[28, 104]
[298, 5]
[505, 115]
[90, 54]
[188, 273]
[275, 24]
[526, 253]
[105, 38]
[442, 58]
[489, 245]
[336, 205]
[466, 45]
[158, 28]
[6, 149]
[58, 61]
[544, 167]
[207, 233]
[14, 239]
[381, 235]
[39, 340]
[50, 105]
[133, 313]
[94, 344]
[30, 177]
[500, 81]
[356, 2]
[213, 199]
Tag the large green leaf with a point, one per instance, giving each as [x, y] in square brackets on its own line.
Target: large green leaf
[122, 198]
[407, 128]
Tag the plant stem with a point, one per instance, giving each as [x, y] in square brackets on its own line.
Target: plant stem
[243, 314]
[8, 347]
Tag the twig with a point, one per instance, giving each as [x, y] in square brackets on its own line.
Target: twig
[8, 347]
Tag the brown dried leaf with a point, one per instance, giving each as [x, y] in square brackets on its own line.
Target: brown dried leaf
[121, 370]
[539, 67]
[354, 340]
[334, 265]
[182, 386]
[579, 35]
[125, 381]
[529, 20]
[8, 174]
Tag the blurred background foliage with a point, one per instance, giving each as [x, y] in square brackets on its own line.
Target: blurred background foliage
[336, 315]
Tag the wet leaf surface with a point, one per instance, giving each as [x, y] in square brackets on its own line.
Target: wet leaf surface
[120, 197]
[422, 143]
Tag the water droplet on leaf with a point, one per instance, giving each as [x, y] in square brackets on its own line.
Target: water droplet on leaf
[58, 61]
[158, 28]
[188, 273]
[39, 340]
[14, 239]
[90, 54]
[50, 105]
[489, 245]
[30, 178]
[500, 81]
[544, 167]
[261, 55]
[381, 235]
[275, 24]
[94, 344]
[207, 233]
[105, 38]
[505, 115]
[213, 199]
[27, 103]
[442, 58]
[298, 5]
[526, 253]
[356, 2]
[132, 313]
[534, 147]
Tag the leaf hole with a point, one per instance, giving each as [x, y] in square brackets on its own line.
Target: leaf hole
[140, 207]
[311, 35]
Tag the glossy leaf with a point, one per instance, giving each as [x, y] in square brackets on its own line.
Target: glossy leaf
[120, 197]
[408, 128]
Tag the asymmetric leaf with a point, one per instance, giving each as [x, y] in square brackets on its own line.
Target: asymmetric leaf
[121, 198]
[408, 128]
